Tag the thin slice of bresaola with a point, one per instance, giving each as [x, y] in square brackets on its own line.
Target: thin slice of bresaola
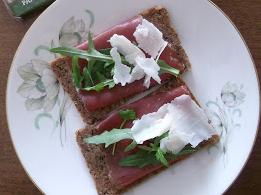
[125, 176]
[95, 100]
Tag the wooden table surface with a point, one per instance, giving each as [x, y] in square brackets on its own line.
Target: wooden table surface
[246, 14]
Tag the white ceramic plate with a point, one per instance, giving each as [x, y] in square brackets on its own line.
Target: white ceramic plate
[42, 120]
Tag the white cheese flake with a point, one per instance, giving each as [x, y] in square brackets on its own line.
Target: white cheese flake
[183, 118]
[150, 67]
[175, 142]
[126, 48]
[161, 51]
[192, 120]
[121, 71]
[151, 125]
[150, 39]
[143, 67]
[137, 74]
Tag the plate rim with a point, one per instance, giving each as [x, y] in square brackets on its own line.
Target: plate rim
[45, 12]
[259, 92]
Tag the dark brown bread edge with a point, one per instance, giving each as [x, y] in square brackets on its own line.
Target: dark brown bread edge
[160, 18]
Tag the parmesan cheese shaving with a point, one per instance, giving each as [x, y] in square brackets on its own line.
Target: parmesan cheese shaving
[137, 74]
[149, 38]
[151, 125]
[150, 68]
[126, 48]
[175, 142]
[121, 71]
[183, 118]
[142, 66]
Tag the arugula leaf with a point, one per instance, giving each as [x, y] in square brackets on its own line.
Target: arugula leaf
[87, 78]
[185, 151]
[145, 157]
[146, 148]
[110, 137]
[166, 68]
[92, 53]
[100, 76]
[100, 86]
[108, 64]
[157, 139]
[139, 159]
[91, 65]
[104, 73]
[114, 148]
[81, 54]
[105, 51]
[131, 146]
[154, 154]
[160, 157]
[76, 74]
[127, 114]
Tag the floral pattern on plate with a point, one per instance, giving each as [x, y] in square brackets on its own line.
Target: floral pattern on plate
[225, 112]
[40, 88]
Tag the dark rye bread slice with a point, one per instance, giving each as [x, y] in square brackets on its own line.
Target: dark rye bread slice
[95, 154]
[62, 66]
[95, 158]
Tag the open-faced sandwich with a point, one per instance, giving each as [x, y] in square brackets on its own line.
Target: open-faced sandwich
[127, 139]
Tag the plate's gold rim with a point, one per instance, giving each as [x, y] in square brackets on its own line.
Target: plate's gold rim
[253, 62]
[6, 109]
[258, 83]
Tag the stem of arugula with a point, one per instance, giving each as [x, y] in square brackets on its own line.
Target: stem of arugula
[115, 144]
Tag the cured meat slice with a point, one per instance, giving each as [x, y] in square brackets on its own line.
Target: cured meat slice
[94, 100]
